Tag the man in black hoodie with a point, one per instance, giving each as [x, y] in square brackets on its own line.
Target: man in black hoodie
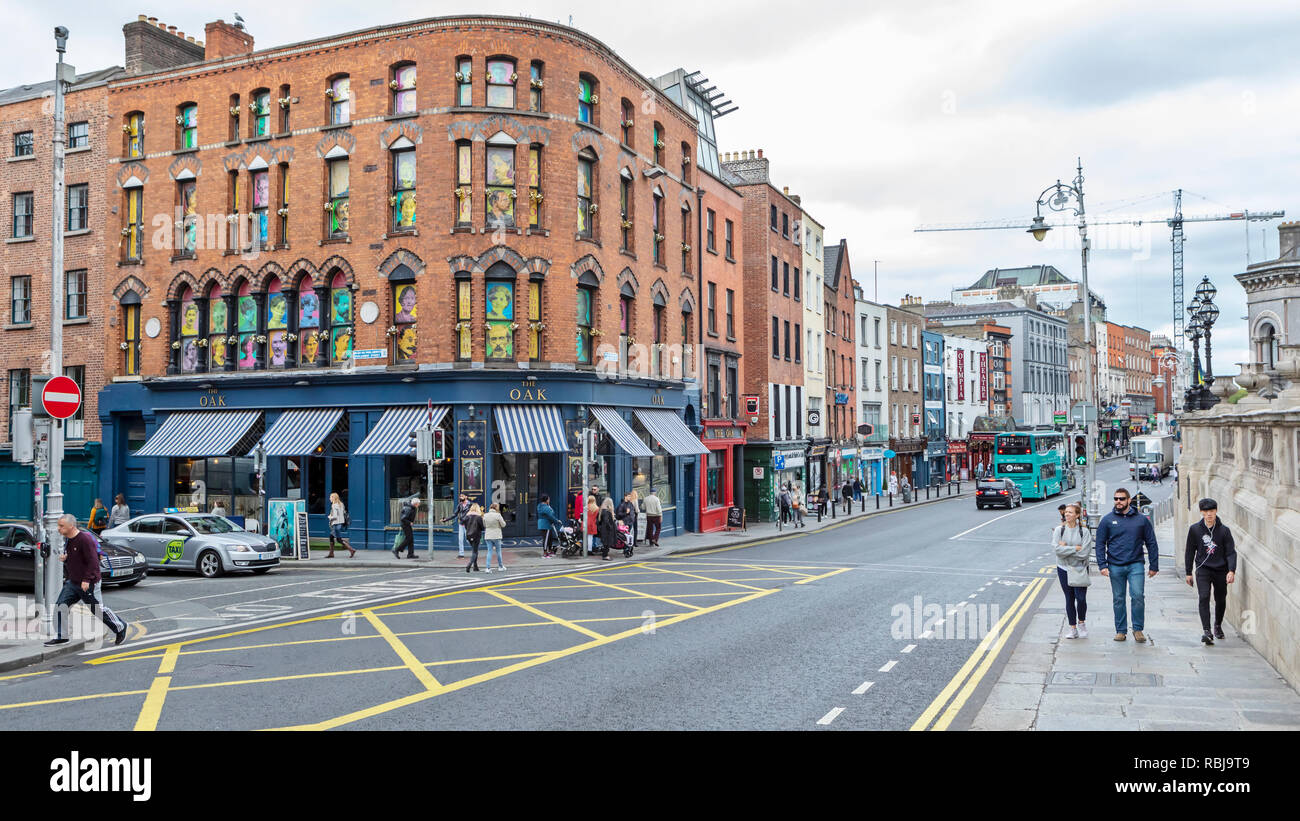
[1211, 556]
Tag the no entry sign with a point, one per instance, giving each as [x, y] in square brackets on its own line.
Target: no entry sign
[61, 397]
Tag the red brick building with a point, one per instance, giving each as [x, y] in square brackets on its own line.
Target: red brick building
[841, 389]
[496, 215]
[27, 113]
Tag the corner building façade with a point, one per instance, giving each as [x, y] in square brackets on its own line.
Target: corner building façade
[488, 220]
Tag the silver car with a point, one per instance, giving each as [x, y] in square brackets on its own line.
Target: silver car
[210, 544]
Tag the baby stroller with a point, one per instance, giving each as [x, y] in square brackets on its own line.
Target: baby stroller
[568, 539]
[624, 540]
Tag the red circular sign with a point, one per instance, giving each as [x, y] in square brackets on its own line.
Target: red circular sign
[61, 397]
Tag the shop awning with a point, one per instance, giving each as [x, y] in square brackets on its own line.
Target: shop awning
[610, 419]
[671, 433]
[200, 433]
[299, 432]
[530, 429]
[392, 435]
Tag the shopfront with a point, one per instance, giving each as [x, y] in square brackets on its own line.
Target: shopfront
[871, 466]
[720, 472]
[767, 469]
[958, 461]
[819, 472]
[507, 439]
[848, 464]
[936, 455]
[979, 446]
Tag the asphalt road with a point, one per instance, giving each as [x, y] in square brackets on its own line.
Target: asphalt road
[828, 630]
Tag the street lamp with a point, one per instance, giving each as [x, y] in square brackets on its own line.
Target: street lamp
[1070, 197]
[1208, 315]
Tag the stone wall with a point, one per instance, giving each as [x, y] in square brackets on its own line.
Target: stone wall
[1247, 457]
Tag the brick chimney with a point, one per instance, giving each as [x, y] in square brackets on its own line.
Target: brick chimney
[225, 40]
[152, 46]
[1288, 239]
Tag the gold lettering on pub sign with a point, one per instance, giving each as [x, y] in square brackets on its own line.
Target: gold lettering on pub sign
[656, 399]
[212, 399]
[529, 392]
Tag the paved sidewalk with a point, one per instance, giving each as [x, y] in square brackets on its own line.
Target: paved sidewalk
[1172, 682]
[21, 639]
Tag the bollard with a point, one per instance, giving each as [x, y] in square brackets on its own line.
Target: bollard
[877, 501]
[927, 493]
[891, 499]
[864, 504]
[832, 506]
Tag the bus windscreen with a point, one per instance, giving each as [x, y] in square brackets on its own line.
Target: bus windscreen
[1014, 444]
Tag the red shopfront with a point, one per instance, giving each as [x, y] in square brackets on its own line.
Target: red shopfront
[718, 472]
[979, 447]
[958, 461]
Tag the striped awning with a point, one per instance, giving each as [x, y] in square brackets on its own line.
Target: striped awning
[392, 435]
[671, 433]
[200, 433]
[530, 429]
[612, 421]
[299, 432]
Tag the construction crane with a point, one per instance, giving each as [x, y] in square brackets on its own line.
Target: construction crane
[1175, 224]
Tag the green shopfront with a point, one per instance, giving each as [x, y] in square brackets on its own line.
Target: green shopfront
[767, 469]
[511, 437]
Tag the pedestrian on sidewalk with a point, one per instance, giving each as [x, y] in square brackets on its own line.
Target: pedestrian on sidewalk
[797, 504]
[338, 520]
[81, 573]
[547, 521]
[459, 514]
[607, 526]
[1072, 542]
[493, 524]
[635, 499]
[1121, 538]
[593, 513]
[784, 501]
[857, 489]
[406, 518]
[473, 534]
[626, 513]
[98, 517]
[654, 518]
[846, 493]
[1211, 557]
[893, 483]
[120, 514]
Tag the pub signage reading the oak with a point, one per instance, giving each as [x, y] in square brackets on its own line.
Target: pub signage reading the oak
[528, 392]
[212, 399]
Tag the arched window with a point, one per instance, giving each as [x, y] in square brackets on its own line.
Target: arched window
[188, 336]
[535, 325]
[626, 122]
[261, 180]
[534, 186]
[309, 324]
[625, 204]
[586, 193]
[626, 323]
[657, 225]
[686, 242]
[340, 319]
[1267, 346]
[339, 94]
[535, 85]
[284, 101]
[405, 313]
[499, 310]
[260, 106]
[464, 317]
[499, 180]
[134, 130]
[501, 78]
[464, 84]
[587, 99]
[277, 325]
[218, 327]
[189, 222]
[246, 310]
[686, 166]
[657, 142]
[586, 300]
[463, 193]
[338, 193]
[658, 368]
[402, 200]
[403, 86]
[233, 133]
[131, 333]
[187, 125]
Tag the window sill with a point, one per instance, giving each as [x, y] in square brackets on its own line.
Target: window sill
[130, 262]
[538, 232]
[403, 116]
[413, 232]
[80, 320]
[190, 150]
[589, 127]
[335, 126]
[581, 238]
[78, 150]
[283, 134]
[20, 326]
[661, 266]
[262, 139]
[730, 259]
[330, 241]
[179, 257]
[711, 251]
[625, 252]
[15, 240]
[232, 143]
[80, 232]
[488, 229]
[731, 338]
[21, 159]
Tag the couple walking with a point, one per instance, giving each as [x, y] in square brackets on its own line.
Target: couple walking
[479, 526]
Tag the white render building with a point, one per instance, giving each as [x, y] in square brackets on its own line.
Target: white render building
[872, 387]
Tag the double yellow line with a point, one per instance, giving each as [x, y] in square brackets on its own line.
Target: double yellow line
[973, 671]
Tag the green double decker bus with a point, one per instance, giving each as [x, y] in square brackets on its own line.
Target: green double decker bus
[1031, 459]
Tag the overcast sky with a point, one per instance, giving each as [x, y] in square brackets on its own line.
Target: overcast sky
[883, 116]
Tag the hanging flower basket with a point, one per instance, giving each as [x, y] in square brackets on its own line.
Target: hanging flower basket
[202, 343]
[176, 346]
[234, 111]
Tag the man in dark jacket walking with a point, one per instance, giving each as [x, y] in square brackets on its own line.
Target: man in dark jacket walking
[1121, 537]
[81, 571]
[407, 518]
[459, 514]
[1211, 556]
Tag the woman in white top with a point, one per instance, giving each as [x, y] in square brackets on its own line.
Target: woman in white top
[338, 516]
[493, 524]
[1072, 542]
[120, 514]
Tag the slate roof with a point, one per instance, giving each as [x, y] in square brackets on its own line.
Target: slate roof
[831, 267]
[1028, 275]
[32, 91]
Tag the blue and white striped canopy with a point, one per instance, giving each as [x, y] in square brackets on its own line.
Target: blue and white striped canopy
[299, 432]
[671, 432]
[392, 435]
[530, 429]
[612, 421]
[200, 433]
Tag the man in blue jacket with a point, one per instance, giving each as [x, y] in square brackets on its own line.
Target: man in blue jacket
[1121, 537]
[547, 521]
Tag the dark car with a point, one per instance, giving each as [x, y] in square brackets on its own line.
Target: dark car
[117, 565]
[996, 492]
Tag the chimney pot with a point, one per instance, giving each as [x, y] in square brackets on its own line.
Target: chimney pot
[785, 189]
[180, 34]
[162, 25]
[760, 153]
[171, 29]
[141, 17]
[190, 39]
[153, 21]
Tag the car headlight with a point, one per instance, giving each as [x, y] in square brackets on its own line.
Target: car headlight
[241, 548]
[140, 559]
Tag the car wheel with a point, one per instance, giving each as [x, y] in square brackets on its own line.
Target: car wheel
[260, 570]
[209, 564]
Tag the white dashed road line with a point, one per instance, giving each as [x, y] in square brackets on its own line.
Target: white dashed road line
[909, 648]
[889, 665]
[863, 687]
[831, 716]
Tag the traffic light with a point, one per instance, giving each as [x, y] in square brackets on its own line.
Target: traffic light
[423, 445]
[439, 441]
[1081, 450]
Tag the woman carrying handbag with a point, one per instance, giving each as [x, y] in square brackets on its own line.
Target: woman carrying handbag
[1072, 542]
[474, 534]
